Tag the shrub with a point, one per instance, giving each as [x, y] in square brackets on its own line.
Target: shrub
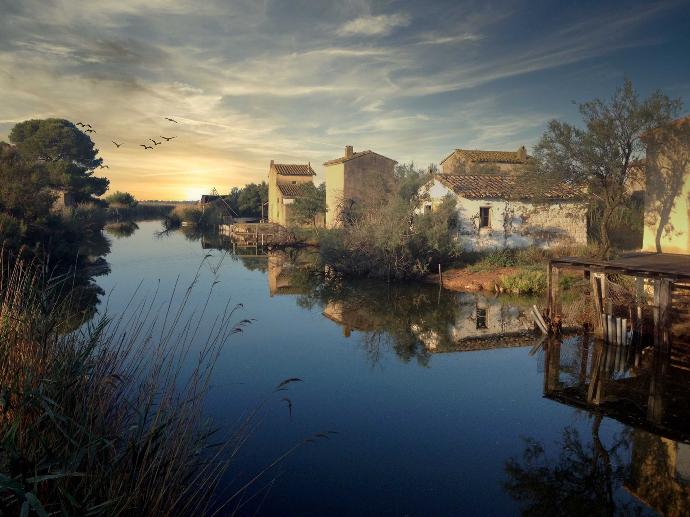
[525, 282]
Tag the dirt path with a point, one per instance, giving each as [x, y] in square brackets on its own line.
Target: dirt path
[460, 279]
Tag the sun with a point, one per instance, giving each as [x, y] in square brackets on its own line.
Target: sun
[195, 193]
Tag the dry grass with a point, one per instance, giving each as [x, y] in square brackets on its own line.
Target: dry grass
[106, 420]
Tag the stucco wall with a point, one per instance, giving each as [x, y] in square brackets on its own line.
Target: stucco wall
[515, 224]
[456, 165]
[278, 210]
[667, 205]
[365, 179]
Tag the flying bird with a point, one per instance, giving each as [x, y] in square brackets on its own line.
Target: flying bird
[146, 146]
[81, 124]
[172, 120]
[90, 130]
[116, 144]
[104, 167]
[167, 139]
[154, 142]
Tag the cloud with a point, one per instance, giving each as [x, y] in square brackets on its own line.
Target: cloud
[380, 25]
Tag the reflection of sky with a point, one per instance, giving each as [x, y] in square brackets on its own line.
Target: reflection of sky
[254, 80]
[423, 440]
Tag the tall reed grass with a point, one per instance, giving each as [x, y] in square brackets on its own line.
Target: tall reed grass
[108, 420]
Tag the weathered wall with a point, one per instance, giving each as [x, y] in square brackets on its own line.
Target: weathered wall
[335, 181]
[456, 165]
[515, 224]
[278, 207]
[667, 196]
[365, 179]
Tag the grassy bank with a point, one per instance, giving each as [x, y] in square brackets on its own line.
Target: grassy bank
[103, 421]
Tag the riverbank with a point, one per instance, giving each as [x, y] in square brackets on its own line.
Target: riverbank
[469, 280]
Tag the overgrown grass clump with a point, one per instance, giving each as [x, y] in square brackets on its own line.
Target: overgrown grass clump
[525, 257]
[104, 421]
[532, 281]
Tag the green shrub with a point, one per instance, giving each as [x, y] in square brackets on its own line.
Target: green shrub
[525, 282]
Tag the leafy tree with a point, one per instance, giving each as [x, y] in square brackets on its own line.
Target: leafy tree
[251, 198]
[22, 187]
[410, 179]
[121, 200]
[602, 155]
[307, 208]
[66, 154]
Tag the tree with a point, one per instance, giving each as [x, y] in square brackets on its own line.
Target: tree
[121, 200]
[251, 198]
[602, 156]
[68, 155]
[410, 179]
[307, 208]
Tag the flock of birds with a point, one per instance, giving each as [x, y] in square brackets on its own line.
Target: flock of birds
[87, 128]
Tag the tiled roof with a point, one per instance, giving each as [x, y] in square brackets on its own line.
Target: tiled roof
[343, 159]
[477, 156]
[503, 186]
[291, 189]
[294, 169]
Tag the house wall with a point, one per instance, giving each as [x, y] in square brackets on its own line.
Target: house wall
[457, 165]
[365, 179]
[335, 187]
[514, 224]
[667, 196]
[278, 211]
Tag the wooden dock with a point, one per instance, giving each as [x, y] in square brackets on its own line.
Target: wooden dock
[662, 288]
[258, 234]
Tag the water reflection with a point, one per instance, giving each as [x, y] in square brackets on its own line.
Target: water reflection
[647, 390]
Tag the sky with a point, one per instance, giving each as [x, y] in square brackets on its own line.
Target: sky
[249, 81]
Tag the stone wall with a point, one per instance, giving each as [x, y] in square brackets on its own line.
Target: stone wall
[515, 224]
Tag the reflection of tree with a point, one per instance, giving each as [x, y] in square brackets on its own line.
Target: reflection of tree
[581, 481]
[668, 168]
[122, 229]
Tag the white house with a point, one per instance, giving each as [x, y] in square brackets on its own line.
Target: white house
[504, 211]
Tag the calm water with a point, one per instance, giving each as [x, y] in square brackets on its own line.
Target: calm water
[441, 405]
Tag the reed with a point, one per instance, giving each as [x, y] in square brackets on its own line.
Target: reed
[107, 420]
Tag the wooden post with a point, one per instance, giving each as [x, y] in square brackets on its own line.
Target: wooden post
[664, 314]
[598, 299]
[440, 276]
[549, 294]
[555, 282]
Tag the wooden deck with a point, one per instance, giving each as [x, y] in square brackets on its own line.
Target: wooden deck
[647, 265]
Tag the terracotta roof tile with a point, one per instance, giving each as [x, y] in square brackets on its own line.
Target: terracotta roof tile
[343, 159]
[294, 169]
[291, 189]
[477, 156]
[497, 186]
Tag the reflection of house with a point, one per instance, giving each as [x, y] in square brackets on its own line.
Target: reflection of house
[284, 273]
[360, 177]
[660, 473]
[350, 317]
[466, 161]
[667, 196]
[284, 186]
[504, 211]
[481, 323]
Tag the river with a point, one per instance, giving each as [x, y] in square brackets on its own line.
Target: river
[441, 402]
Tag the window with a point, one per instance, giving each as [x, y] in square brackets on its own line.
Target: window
[481, 318]
[485, 217]
[427, 208]
[294, 183]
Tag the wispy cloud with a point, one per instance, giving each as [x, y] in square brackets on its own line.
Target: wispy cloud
[380, 25]
[250, 80]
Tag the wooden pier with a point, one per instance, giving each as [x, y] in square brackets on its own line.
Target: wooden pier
[254, 235]
[662, 287]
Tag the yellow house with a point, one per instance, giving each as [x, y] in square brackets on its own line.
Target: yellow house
[284, 182]
[360, 177]
[667, 195]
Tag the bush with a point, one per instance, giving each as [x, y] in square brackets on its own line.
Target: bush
[532, 282]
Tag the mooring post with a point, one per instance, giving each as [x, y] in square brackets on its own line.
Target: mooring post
[549, 293]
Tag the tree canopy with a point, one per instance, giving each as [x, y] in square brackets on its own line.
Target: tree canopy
[67, 155]
[121, 200]
[307, 208]
[602, 155]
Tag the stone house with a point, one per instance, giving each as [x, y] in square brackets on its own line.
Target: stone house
[504, 211]
[667, 193]
[284, 182]
[472, 161]
[360, 177]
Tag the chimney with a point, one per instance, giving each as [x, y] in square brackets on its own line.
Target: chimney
[348, 151]
[522, 153]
